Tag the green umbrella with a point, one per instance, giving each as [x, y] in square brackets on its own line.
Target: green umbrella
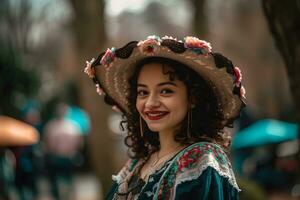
[267, 131]
[79, 117]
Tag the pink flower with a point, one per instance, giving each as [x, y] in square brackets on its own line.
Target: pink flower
[197, 44]
[108, 57]
[99, 90]
[116, 108]
[189, 158]
[149, 45]
[89, 70]
[238, 76]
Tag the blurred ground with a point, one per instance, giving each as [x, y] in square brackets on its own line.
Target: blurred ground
[86, 187]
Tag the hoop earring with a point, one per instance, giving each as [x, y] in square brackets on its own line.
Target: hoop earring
[141, 127]
[190, 120]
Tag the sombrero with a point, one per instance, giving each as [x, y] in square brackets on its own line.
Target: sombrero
[113, 68]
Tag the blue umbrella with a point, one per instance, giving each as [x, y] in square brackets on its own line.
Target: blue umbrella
[79, 117]
[264, 132]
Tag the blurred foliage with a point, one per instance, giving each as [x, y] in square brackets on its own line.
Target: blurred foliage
[68, 94]
[17, 83]
[251, 190]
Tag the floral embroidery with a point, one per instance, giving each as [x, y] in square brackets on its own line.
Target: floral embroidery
[150, 45]
[189, 158]
[89, 70]
[196, 45]
[186, 163]
[108, 57]
[168, 183]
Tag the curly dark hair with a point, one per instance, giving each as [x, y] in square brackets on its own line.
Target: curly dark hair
[206, 124]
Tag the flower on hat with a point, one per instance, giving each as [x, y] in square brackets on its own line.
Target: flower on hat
[238, 81]
[108, 57]
[149, 45]
[238, 76]
[197, 45]
[89, 70]
[116, 108]
[99, 89]
[170, 38]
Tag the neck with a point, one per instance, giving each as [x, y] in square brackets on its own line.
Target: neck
[167, 141]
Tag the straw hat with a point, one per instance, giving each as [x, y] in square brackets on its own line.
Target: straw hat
[112, 69]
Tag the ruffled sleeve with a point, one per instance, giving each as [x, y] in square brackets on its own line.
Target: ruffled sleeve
[210, 185]
[121, 179]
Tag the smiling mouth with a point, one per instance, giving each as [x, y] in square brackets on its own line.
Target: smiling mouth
[156, 115]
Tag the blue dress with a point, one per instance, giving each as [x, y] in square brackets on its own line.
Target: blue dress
[200, 171]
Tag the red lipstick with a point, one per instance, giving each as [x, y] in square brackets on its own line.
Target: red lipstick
[156, 115]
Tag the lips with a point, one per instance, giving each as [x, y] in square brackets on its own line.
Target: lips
[156, 115]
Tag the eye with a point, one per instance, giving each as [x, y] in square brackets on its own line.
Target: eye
[166, 91]
[142, 93]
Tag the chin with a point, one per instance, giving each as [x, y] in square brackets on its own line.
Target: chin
[158, 128]
[155, 127]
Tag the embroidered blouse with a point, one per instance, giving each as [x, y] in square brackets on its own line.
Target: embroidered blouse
[199, 171]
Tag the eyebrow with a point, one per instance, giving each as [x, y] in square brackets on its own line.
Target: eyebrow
[160, 84]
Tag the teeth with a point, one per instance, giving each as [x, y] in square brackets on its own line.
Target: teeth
[154, 114]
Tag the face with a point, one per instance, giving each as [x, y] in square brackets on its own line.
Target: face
[162, 103]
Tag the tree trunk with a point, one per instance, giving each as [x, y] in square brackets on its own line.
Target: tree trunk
[200, 19]
[89, 34]
[283, 18]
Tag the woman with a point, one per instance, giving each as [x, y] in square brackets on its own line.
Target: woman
[177, 97]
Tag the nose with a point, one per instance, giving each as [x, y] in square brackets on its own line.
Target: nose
[152, 102]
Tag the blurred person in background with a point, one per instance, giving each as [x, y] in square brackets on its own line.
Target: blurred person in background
[28, 158]
[62, 141]
[12, 133]
[176, 97]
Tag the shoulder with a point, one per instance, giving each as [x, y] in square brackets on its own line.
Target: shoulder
[195, 159]
[199, 161]
[202, 154]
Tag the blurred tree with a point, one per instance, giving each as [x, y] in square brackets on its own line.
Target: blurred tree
[29, 51]
[200, 25]
[88, 26]
[19, 81]
[16, 83]
[283, 18]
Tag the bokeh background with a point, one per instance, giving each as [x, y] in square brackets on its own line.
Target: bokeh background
[43, 49]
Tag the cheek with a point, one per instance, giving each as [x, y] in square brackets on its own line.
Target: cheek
[181, 111]
[181, 108]
[178, 103]
[139, 105]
